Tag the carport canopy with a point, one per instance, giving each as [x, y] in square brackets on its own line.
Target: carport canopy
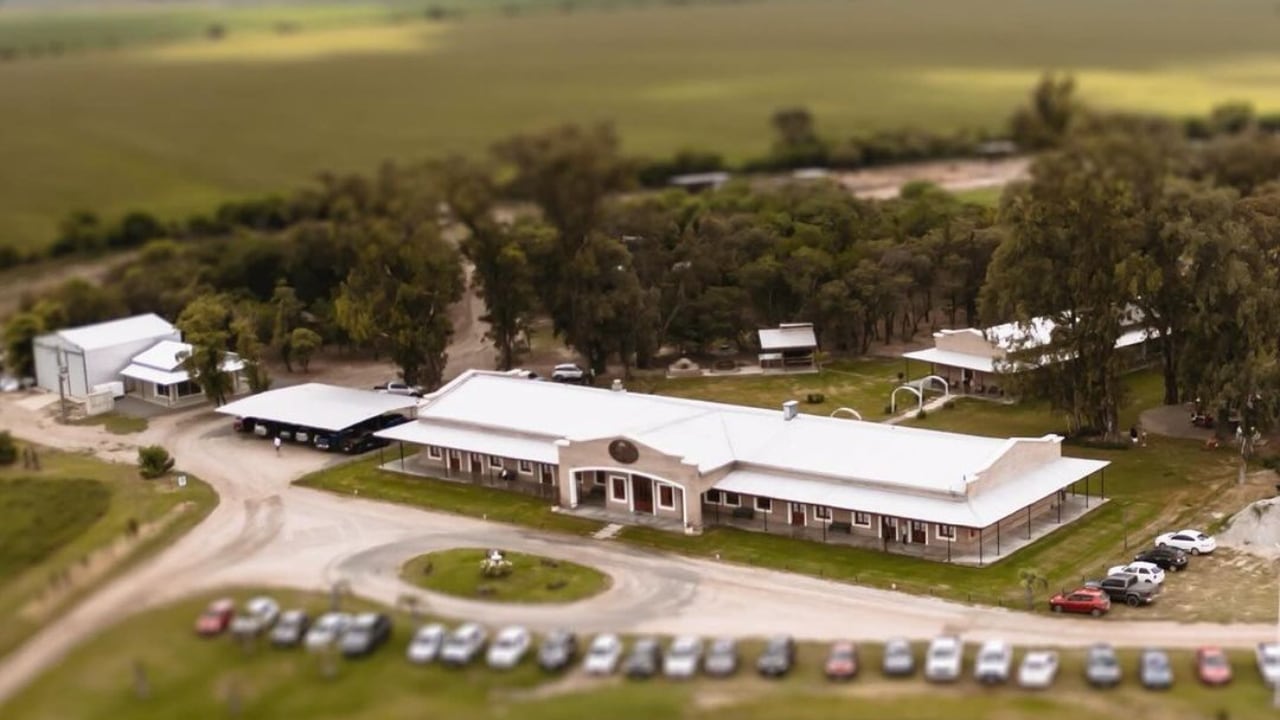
[318, 406]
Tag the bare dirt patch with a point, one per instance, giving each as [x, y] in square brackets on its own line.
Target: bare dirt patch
[950, 175]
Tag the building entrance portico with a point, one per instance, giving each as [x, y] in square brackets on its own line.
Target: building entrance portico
[623, 491]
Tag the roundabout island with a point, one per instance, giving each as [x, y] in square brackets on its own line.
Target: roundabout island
[501, 576]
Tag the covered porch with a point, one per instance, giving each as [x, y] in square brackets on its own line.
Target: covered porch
[628, 496]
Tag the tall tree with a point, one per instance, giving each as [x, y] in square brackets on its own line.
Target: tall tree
[249, 348]
[1071, 236]
[21, 330]
[397, 296]
[288, 315]
[206, 325]
[1045, 120]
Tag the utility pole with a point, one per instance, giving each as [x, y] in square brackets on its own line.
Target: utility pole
[63, 378]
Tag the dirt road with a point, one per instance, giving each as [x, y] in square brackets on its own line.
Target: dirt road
[267, 532]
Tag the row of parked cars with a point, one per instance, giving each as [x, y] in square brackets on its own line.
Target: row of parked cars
[360, 634]
[1140, 581]
[354, 440]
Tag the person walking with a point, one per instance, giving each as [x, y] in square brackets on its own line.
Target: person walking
[276, 442]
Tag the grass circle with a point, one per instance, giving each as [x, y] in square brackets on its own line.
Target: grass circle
[532, 579]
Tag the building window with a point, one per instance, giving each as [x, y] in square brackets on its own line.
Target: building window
[495, 461]
[620, 489]
[862, 519]
[526, 467]
[666, 497]
[821, 512]
[764, 504]
[732, 499]
[434, 452]
[714, 497]
[946, 532]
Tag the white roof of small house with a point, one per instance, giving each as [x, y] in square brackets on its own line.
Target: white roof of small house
[162, 363]
[116, 332]
[319, 406]
[788, 336]
[497, 414]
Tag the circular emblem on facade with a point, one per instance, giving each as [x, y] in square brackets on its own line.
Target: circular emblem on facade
[623, 451]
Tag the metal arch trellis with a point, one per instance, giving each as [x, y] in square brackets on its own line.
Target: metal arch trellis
[893, 399]
[848, 411]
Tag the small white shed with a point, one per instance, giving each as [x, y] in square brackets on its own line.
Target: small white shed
[95, 354]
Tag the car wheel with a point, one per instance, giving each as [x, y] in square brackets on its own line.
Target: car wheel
[1179, 568]
[1057, 608]
[1096, 612]
[1133, 601]
[1195, 551]
[1162, 544]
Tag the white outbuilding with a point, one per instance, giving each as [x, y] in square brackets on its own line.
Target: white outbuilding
[76, 360]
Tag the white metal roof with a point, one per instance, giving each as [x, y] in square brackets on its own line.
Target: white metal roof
[709, 435]
[788, 336]
[315, 405]
[162, 364]
[150, 374]
[117, 332]
[164, 355]
[952, 359]
[520, 447]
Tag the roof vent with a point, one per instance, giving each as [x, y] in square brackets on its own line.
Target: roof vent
[617, 386]
[790, 409]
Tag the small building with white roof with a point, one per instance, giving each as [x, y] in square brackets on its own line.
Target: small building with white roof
[691, 463]
[790, 346]
[76, 360]
[328, 417]
[156, 375]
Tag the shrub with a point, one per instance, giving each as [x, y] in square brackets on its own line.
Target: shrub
[8, 449]
[154, 461]
[815, 398]
[888, 409]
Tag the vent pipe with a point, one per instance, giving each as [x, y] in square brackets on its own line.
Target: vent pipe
[617, 386]
[790, 409]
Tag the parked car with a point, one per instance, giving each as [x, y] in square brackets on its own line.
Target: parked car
[216, 617]
[1038, 670]
[1168, 558]
[1130, 589]
[568, 373]
[603, 655]
[396, 387]
[327, 630]
[1090, 600]
[1154, 670]
[360, 444]
[642, 662]
[243, 424]
[1101, 666]
[943, 661]
[842, 661]
[463, 645]
[722, 658]
[1268, 657]
[424, 646]
[558, 650]
[366, 633]
[509, 647]
[683, 657]
[899, 660]
[994, 660]
[1192, 541]
[778, 657]
[1144, 570]
[258, 615]
[290, 628]
[1212, 666]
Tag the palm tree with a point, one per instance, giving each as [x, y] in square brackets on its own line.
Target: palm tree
[1029, 579]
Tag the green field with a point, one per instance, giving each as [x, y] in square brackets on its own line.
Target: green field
[532, 579]
[62, 529]
[175, 128]
[187, 677]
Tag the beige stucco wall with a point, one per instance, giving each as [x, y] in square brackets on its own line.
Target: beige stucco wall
[1022, 456]
[594, 455]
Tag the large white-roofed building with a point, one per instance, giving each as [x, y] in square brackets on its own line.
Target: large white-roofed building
[688, 464]
[83, 358]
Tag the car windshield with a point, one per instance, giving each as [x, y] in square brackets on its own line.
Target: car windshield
[992, 655]
[509, 641]
[1035, 662]
[1214, 661]
[603, 646]
[1156, 662]
[842, 653]
[1104, 660]
[722, 647]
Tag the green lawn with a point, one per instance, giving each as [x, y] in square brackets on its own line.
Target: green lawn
[862, 385]
[987, 197]
[259, 113]
[364, 477]
[58, 520]
[533, 579]
[191, 677]
[116, 423]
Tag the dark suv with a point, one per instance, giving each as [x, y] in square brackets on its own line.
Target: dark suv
[1166, 558]
[1130, 589]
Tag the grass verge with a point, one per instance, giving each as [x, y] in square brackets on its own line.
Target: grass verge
[189, 677]
[533, 579]
[73, 516]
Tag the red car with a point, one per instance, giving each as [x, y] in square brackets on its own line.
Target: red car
[1093, 601]
[1212, 666]
[842, 663]
[215, 618]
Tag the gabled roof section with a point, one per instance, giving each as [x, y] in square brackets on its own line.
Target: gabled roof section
[118, 332]
[164, 355]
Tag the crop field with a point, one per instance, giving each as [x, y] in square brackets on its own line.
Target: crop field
[173, 127]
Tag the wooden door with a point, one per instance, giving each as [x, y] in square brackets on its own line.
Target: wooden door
[642, 488]
[797, 514]
[919, 532]
[888, 529]
[476, 465]
[455, 462]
